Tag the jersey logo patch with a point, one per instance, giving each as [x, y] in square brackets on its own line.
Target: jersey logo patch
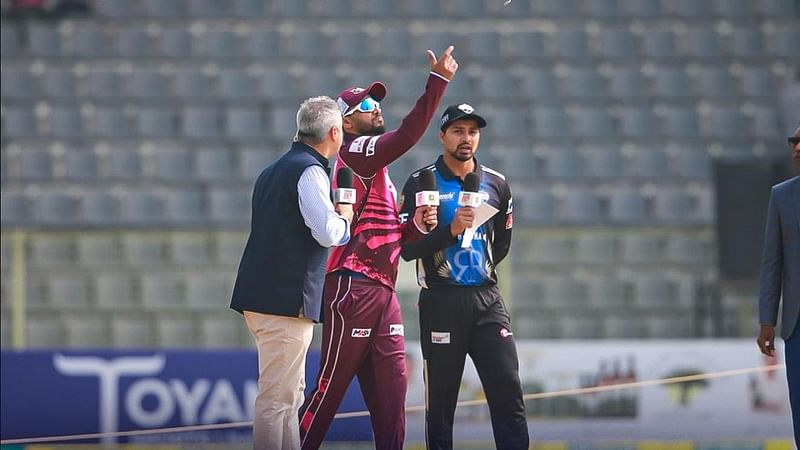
[357, 146]
[361, 332]
[371, 146]
[505, 333]
[440, 337]
[396, 329]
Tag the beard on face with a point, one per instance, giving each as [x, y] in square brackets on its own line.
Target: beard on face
[374, 131]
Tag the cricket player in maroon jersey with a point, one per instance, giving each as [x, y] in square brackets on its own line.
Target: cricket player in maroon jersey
[363, 327]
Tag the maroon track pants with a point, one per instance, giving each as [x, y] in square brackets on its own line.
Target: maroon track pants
[362, 335]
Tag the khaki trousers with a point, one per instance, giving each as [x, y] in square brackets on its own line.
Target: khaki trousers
[282, 344]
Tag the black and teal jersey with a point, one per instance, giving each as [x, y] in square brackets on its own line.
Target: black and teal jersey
[441, 260]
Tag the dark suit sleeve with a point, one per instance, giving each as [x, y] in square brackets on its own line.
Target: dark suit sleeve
[503, 222]
[771, 266]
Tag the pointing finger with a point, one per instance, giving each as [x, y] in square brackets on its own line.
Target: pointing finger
[448, 51]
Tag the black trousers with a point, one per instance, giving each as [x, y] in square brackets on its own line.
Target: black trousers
[460, 321]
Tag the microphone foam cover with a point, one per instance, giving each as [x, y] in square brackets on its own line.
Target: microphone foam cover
[427, 182]
[472, 182]
[344, 178]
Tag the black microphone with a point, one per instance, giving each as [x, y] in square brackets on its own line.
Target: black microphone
[469, 195]
[428, 194]
[344, 187]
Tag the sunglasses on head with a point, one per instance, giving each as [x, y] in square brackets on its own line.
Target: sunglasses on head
[366, 105]
[793, 140]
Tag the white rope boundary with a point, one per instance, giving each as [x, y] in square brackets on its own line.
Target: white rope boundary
[347, 415]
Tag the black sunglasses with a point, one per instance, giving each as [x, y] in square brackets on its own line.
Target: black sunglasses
[793, 140]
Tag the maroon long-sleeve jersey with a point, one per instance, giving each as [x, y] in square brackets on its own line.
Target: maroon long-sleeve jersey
[376, 231]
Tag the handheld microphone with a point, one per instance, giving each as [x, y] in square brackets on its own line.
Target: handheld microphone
[344, 187]
[428, 194]
[470, 196]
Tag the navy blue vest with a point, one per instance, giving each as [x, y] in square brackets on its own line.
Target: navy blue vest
[283, 266]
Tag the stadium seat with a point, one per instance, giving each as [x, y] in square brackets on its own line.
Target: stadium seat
[57, 208]
[563, 163]
[659, 43]
[189, 248]
[156, 122]
[19, 122]
[262, 44]
[98, 250]
[289, 8]
[777, 8]
[350, 45]
[583, 82]
[538, 84]
[755, 81]
[592, 122]
[616, 43]
[68, 291]
[627, 83]
[643, 8]
[525, 44]
[228, 247]
[581, 206]
[184, 207]
[115, 291]
[58, 83]
[603, 163]
[483, 45]
[672, 326]
[51, 251]
[604, 9]
[66, 121]
[680, 122]
[747, 43]
[201, 122]
[306, 44]
[671, 82]
[104, 83]
[556, 8]
[435, 40]
[653, 292]
[133, 331]
[571, 43]
[784, 43]
[606, 293]
[490, 80]
[765, 121]
[98, 207]
[563, 292]
[45, 332]
[173, 164]
[278, 84]
[192, 83]
[176, 331]
[693, 163]
[36, 164]
[550, 122]
[163, 290]
[726, 122]
[734, 9]
[693, 9]
[141, 207]
[92, 41]
[623, 327]
[688, 250]
[526, 327]
[111, 122]
[114, 9]
[715, 82]
[648, 164]
[593, 248]
[124, 163]
[672, 205]
[209, 9]
[577, 327]
[209, 290]
[147, 83]
[640, 248]
[158, 9]
[392, 43]
[85, 331]
[9, 39]
[627, 205]
[222, 330]
[16, 208]
[244, 122]
[135, 42]
[44, 40]
[229, 206]
[17, 82]
[702, 43]
[381, 8]
[218, 43]
[212, 164]
[175, 42]
[236, 83]
[282, 122]
[638, 121]
[550, 250]
[334, 8]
